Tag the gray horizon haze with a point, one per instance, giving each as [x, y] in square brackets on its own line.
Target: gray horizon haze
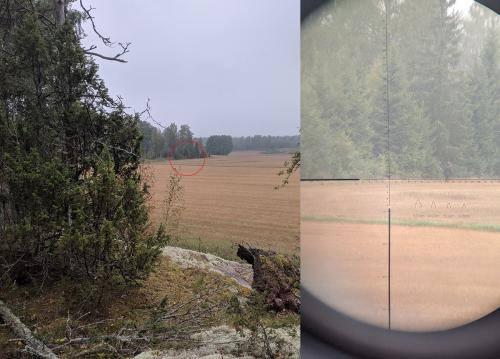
[222, 67]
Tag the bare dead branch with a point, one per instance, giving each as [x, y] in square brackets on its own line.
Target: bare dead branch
[33, 345]
[119, 149]
[176, 322]
[105, 40]
[114, 58]
[92, 47]
[10, 266]
[99, 348]
[147, 111]
[119, 102]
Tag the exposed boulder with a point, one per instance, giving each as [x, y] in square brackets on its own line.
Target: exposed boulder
[240, 272]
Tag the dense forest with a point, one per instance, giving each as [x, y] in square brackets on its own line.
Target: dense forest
[259, 142]
[440, 70]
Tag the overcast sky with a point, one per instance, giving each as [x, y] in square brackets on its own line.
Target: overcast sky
[223, 67]
[463, 5]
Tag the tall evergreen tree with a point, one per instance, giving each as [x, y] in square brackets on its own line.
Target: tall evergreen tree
[73, 201]
[484, 100]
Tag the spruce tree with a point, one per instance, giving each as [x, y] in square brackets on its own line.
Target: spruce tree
[484, 100]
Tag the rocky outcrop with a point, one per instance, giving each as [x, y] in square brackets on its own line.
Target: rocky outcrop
[242, 273]
[224, 342]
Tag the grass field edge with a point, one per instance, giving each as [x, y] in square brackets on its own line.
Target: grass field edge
[483, 227]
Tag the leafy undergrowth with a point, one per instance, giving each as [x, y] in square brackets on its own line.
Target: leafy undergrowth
[163, 313]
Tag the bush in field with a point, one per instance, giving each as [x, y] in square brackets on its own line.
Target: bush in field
[219, 145]
[173, 205]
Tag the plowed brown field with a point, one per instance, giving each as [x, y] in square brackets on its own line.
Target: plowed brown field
[233, 200]
[445, 243]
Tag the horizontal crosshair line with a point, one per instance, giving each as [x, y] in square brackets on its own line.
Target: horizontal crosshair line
[329, 179]
[451, 180]
[181, 165]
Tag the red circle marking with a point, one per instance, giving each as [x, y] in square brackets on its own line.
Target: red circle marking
[171, 153]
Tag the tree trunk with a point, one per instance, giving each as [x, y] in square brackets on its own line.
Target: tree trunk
[59, 12]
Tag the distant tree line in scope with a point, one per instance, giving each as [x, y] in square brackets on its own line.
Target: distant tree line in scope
[444, 91]
[159, 144]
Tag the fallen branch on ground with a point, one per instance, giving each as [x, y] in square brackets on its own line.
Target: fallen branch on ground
[33, 345]
[169, 323]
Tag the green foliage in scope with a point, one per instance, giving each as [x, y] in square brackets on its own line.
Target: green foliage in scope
[219, 145]
[444, 91]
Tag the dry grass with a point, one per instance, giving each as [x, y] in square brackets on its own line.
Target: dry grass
[445, 256]
[233, 200]
[49, 313]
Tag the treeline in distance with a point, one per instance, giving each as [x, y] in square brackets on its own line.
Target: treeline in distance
[157, 143]
[259, 142]
[178, 143]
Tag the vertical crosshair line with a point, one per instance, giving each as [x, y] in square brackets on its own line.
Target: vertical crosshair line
[388, 164]
[389, 271]
[387, 103]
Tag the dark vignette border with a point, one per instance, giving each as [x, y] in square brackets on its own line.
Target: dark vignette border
[327, 333]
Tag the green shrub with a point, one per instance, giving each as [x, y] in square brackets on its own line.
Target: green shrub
[95, 230]
[110, 234]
